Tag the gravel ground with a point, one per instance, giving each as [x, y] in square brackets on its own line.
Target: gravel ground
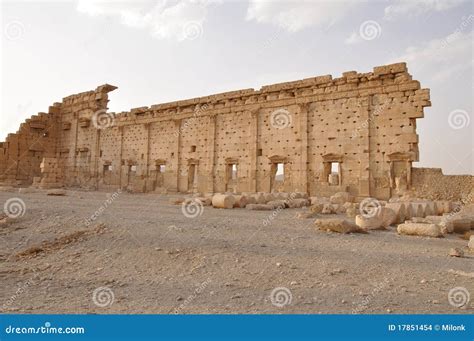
[143, 255]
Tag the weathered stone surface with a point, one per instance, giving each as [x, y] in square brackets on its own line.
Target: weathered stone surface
[336, 225]
[399, 209]
[470, 245]
[56, 192]
[223, 201]
[461, 225]
[240, 201]
[420, 229]
[316, 130]
[316, 208]
[341, 198]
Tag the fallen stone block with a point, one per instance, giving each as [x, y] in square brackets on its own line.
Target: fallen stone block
[399, 209]
[388, 216]
[251, 200]
[461, 225]
[417, 210]
[260, 198]
[446, 225]
[470, 245]
[240, 201]
[319, 200]
[277, 203]
[420, 229]
[456, 252]
[341, 198]
[56, 192]
[316, 208]
[297, 203]
[223, 201]
[369, 223]
[269, 197]
[337, 225]
[327, 209]
[351, 212]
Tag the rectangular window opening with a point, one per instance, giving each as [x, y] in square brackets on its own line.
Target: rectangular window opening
[280, 172]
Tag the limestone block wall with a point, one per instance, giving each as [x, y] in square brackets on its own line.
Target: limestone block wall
[22, 152]
[356, 133]
[431, 183]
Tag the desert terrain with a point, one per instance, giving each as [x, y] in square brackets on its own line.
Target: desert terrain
[148, 257]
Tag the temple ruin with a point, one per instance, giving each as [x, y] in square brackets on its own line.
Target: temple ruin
[320, 135]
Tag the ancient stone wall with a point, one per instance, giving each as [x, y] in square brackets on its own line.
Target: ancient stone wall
[431, 183]
[356, 133]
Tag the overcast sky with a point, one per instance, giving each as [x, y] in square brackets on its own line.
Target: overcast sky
[161, 51]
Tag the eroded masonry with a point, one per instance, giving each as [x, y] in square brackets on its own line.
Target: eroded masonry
[320, 135]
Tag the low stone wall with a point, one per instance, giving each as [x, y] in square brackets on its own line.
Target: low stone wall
[431, 183]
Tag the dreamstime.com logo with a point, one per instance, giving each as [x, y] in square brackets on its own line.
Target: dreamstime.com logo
[459, 297]
[14, 30]
[369, 207]
[192, 208]
[103, 297]
[458, 119]
[102, 119]
[192, 30]
[14, 208]
[281, 297]
[46, 329]
[370, 30]
[280, 119]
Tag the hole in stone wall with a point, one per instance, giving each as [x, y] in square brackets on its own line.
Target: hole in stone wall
[280, 172]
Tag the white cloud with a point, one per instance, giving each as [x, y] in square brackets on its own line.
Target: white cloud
[176, 20]
[441, 59]
[354, 38]
[416, 7]
[295, 15]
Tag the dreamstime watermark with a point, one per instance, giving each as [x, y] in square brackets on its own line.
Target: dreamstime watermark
[190, 121]
[46, 329]
[459, 297]
[14, 30]
[102, 207]
[103, 297]
[281, 297]
[192, 30]
[370, 30]
[102, 119]
[365, 124]
[280, 119]
[14, 208]
[365, 302]
[457, 32]
[267, 221]
[20, 291]
[199, 290]
[192, 208]
[370, 207]
[458, 119]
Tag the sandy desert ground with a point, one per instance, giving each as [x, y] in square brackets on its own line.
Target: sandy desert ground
[143, 255]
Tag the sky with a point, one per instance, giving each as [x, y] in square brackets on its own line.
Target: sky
[162, 51]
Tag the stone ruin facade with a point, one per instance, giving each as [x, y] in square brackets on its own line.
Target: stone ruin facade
[355, 133]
